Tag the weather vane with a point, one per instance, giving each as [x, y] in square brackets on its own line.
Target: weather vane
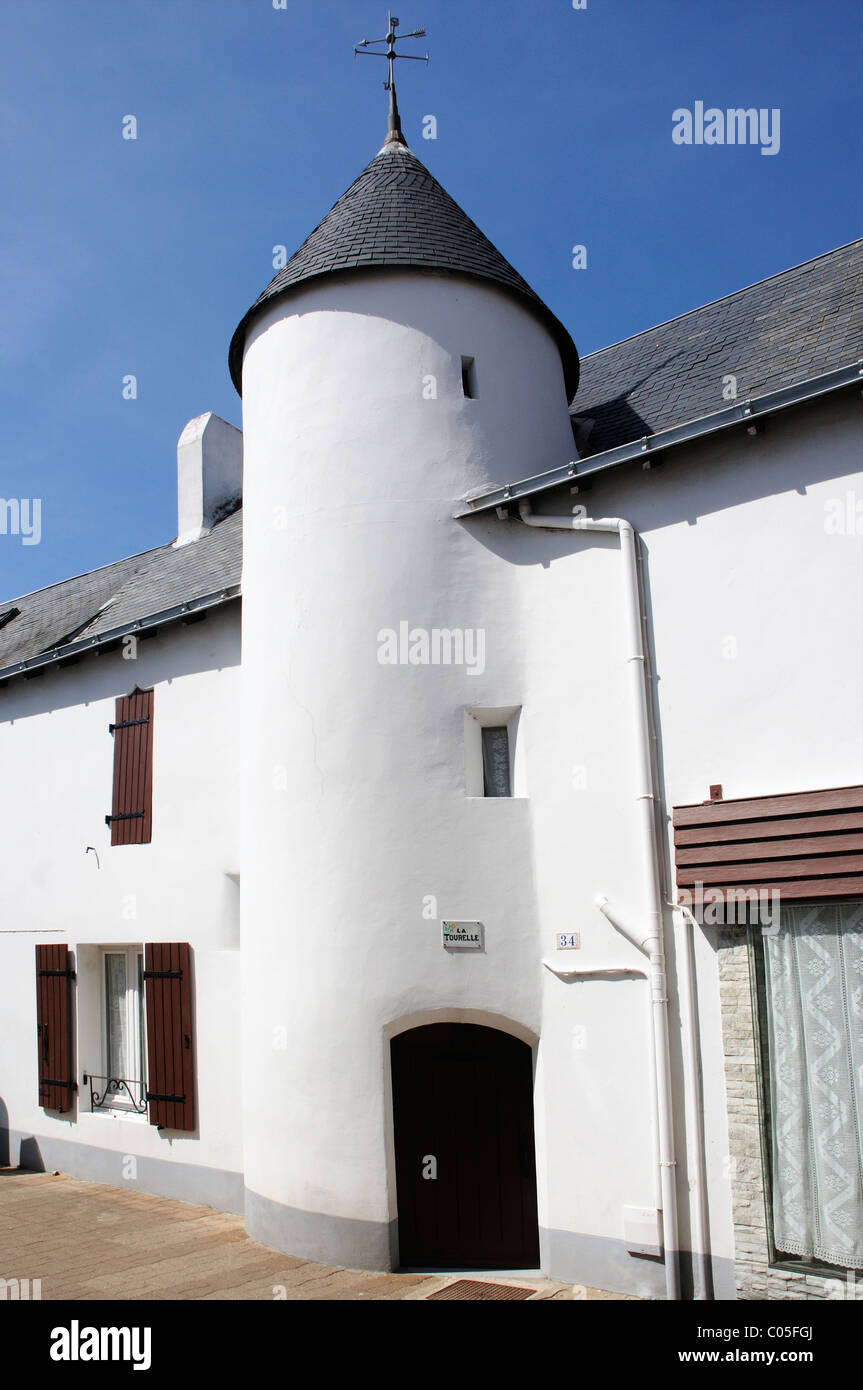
[365, 48]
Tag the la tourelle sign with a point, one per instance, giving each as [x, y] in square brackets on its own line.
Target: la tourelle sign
[464, 936]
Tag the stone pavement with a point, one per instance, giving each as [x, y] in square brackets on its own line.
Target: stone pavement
[86, 1240]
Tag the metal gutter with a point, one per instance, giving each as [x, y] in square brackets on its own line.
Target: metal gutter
[747, 412]
[135, 628]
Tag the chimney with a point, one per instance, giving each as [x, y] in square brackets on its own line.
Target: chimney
[209, 475]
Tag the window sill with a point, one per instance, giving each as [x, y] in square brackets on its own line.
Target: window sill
[471, 797]
[130, 1116]
[812, 1270]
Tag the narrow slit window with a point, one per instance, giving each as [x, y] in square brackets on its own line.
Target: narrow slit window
[495, 761]
[468, 378]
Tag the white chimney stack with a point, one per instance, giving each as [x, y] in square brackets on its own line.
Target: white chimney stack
[209, 475]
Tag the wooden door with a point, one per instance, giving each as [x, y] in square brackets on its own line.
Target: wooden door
[465, 1168]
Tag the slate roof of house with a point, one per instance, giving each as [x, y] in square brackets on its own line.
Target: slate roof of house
[780, 332]
[127, 591]
[788, 329]
[396, 214]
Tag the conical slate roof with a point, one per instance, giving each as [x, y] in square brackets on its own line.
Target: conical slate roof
[396, 214]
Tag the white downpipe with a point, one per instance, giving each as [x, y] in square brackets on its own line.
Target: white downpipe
[694, 1095]
[648, 937]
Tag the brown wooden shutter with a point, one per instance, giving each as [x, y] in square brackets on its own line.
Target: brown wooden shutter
[54, 976]
[131, 818]
[170, 1041]
[805, 845]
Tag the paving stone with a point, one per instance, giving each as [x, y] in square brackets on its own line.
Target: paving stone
[89, 1241]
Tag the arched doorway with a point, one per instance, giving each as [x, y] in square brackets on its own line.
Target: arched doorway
[464, 1146]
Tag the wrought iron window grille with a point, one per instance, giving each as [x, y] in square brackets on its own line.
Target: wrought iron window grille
[116, 1092]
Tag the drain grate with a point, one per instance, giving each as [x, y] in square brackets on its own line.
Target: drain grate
[477, 1290]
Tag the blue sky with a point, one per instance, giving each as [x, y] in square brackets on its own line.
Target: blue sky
[553, 129]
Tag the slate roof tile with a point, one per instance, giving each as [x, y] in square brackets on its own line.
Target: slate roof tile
[396, 214]
[132, 589]
[795, 325]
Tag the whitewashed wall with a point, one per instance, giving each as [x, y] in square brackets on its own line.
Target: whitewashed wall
[57, 759]
[354, 805]
[756, 622]
[353, 773]
[354, 795]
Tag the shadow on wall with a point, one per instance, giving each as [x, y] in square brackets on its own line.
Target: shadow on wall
[30, 1156]
[802, 448]
[169, 654]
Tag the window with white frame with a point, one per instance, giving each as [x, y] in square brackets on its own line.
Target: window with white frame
[121, 1085]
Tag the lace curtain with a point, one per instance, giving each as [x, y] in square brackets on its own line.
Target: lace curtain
[814, 980]
[495, 761]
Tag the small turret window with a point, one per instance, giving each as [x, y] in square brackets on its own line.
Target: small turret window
[468, 378]
[495, 761]
[494, 756]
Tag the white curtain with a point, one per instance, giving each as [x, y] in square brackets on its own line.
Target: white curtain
[115, 1015]
[814, 977]
[495, 761]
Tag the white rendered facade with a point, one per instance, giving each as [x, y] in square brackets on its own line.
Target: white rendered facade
[316, 814]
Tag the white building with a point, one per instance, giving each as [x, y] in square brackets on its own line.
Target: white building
[238, 842]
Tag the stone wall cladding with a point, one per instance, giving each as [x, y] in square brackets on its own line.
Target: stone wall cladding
[754, 1278]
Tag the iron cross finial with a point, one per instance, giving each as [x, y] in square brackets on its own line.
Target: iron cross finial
[394, 132]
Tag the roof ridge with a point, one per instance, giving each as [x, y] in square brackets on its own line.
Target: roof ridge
[721, 299]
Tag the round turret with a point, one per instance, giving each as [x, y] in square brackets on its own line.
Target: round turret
[396, 363]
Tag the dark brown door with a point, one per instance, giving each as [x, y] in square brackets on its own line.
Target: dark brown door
[465, 1171]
